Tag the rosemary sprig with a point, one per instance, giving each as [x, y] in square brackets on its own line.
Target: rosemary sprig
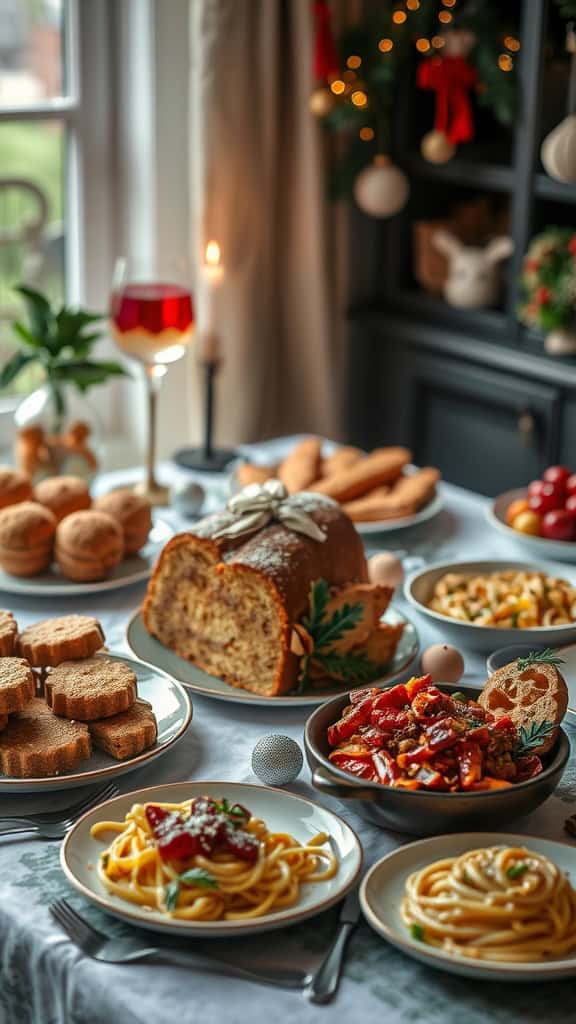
[533, 736]
[545, 657]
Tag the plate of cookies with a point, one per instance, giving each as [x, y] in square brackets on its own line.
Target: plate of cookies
[56, 541]
[380, 491]
[72, 714]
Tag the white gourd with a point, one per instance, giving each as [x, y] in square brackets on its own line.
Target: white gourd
[558, 151]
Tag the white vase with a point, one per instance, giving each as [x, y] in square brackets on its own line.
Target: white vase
[560, 342]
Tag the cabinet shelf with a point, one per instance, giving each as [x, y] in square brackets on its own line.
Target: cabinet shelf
[487, 322]
[473, 174]
[548, 188]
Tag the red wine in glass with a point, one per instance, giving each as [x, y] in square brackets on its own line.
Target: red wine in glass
[152, 321]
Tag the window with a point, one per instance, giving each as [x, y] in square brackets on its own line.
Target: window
[39, 179]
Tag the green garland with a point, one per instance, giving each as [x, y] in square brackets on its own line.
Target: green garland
[549, 280]
[387, 49]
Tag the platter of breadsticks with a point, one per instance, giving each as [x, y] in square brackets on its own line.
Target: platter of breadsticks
[379, 490]
[211, 858]
[485, 905]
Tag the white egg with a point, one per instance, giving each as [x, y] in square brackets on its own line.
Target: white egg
[385, 569]
[444, 663]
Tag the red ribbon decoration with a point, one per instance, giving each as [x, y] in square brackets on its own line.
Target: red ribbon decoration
[325, 55]
[450, 78]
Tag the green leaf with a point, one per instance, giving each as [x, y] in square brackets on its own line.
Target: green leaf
[459, 696]
[354, 666]
[546, 657]
[171, 893]
[199, 878]
[343, 620]
[26, 335]
[417, 932]
[534, 736]
[14, 366]
[86, 373]
[517, 870]
[38, 309]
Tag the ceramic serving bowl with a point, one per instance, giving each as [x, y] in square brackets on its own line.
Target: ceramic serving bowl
[419, 588]
[419, 812]
[537, 547]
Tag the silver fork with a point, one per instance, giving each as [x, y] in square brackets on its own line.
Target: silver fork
[134, 950]
[55, 824]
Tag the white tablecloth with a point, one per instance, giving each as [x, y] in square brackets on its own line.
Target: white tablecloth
[46, 981]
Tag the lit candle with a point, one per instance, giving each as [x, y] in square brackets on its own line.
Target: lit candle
[213, 275]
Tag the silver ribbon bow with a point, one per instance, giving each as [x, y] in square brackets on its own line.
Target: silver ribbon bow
[259, 504]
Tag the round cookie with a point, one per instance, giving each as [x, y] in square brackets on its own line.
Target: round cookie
[134, 514]
[63, 639]
[26, 538]
[8, 634]
[14, 486]
[36, 743]
[126, 734]
[63, 495]
[89, 545]
[17, 685]
[90, 689]
[533, 697]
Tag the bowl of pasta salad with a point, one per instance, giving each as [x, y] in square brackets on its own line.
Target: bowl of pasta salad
[489, 604]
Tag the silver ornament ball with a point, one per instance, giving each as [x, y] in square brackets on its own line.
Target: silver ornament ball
[277, 760]
[187, 498]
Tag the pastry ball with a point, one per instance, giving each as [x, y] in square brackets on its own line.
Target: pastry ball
[444, 663]
[63, 495]
[26, 538]
[14, 486]
[385, 569]
[89, 544]
[132, 512]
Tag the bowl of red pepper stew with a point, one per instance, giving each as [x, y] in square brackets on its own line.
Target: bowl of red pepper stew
[424, 758]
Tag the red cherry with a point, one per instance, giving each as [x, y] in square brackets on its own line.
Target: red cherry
[571, 484]
[556, 475]
[559, 525]
[535, 487]
[570, 505]
[549, 498]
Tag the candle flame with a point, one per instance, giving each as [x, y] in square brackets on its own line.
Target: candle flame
[213, 254]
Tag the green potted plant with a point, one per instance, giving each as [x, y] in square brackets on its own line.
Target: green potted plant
[59, 343]
[549, 288]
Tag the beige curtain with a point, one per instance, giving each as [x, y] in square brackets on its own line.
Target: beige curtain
[258, 189]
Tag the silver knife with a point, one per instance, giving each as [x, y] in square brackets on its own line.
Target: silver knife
[326, 979]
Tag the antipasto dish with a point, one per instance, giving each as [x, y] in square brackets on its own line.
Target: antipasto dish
[208, 860]
[505, 600]
[417, 736]
[497, 903]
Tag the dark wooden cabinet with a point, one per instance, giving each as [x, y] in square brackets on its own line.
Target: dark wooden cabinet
[470, 391]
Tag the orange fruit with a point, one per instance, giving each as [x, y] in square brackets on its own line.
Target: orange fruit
[515, 508]
[527, 522]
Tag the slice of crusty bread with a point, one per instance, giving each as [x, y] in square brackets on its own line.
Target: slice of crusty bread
[530, 696]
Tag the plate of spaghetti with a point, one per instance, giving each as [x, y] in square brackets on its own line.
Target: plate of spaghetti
[485, 905]
[216, 858]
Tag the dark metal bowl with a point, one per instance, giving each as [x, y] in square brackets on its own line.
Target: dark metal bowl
[419, 812]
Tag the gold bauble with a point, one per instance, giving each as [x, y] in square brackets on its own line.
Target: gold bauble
[322, 101]
[437, 148]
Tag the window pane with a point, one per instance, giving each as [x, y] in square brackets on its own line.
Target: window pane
[31, 216]
[31, 52]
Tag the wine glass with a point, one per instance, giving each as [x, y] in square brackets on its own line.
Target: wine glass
[152, 321]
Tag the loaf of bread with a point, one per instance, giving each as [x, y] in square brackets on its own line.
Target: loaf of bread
[532, 697]
[229, 604]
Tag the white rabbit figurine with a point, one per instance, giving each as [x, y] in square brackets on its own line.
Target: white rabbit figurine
[473, 280]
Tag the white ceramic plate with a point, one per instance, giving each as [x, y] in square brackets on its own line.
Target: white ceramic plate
[538, 547]
[382, 890]
[150, 650]
[418, 590]
[173, 711]
[130, 570]
[388, 525]
[282, 812]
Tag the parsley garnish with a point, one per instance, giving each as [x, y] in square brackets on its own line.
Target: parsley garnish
[417, 932]
[105, 858]
[546, 657]
[354, 666]
[517, 870]
[533, 736]
[459, 696]
[194, 876]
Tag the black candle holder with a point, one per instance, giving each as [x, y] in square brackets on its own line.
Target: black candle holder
[207, 458]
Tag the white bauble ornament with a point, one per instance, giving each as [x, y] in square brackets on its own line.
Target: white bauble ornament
[560, 342]
[385, 569]
[558, 151]
[437, 148]
[321, 102]
[382, 189]
[444, 663]
[187, 499]
[277, 760]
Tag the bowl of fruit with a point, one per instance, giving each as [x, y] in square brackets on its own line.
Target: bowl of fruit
[541, 518]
